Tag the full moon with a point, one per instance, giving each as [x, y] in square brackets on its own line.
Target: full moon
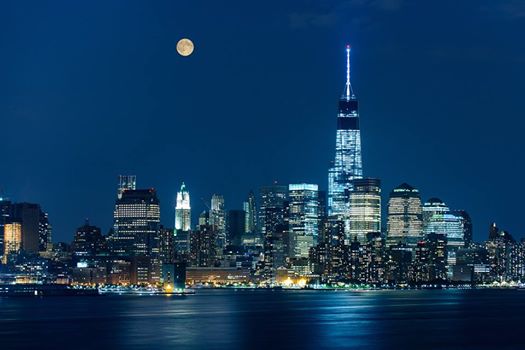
[185, 47]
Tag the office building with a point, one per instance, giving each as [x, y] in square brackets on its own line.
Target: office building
[303, 224]
[218, 219]
[437, 218]
[364, 215]
[404, 221]
[274, 226]
[174, 276]
[347, 164]
[87, 243]
[235, 226]
[126, 182]
[204, 250]
[136, 226]
[467, 226]
[183, 210]
[5, 215]
[36, 229]
[250, 210]
[12, 240]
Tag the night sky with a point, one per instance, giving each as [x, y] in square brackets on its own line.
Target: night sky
[93, 89]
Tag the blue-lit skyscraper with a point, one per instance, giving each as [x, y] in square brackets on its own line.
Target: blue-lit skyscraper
[347, 164]
[303, 219]
[438, 218]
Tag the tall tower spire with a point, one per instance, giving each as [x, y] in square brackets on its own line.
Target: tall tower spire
[347, 164]
[348, 90]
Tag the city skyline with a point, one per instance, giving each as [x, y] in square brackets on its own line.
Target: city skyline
[343, 174]
[85, 172]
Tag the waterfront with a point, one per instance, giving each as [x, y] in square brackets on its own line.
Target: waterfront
[241, 319]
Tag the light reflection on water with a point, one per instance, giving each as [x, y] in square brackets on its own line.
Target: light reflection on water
[242, 319]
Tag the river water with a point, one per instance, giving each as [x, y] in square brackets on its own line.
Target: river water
[266, 319]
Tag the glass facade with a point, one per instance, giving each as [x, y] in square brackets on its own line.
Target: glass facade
[405, 222]
[126, 182]
[364, 214]
[437, 218]
[218, 218]
[250, 210]
[303, 218]
[347, 164]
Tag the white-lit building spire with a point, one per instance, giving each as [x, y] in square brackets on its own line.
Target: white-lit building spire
[347, 164]
[183, 210]
[348, 89]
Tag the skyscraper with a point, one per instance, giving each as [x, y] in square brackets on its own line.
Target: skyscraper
[167, 245]
[235, 225]
[364, 215]
[36, 229]
[181, 233]
[126, 182]
[329, 256]
[347, 164]
[204, 218]
[303, 218]
[405, 223]
[250, 216]
[218, 218]
[431, 259]
[437, 218]
[88, 242]
[44, 233]
[467, 226]
[12, 240]
[217, 213]
[203, 246]
[136, 223]
[273, 225]
[5, 214]
[136, 233]
[183, 210]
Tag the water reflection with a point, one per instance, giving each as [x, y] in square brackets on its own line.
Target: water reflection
[228, 319]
